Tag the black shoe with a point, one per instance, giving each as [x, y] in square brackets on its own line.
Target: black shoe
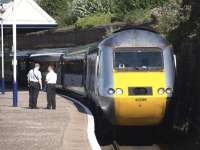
[54, 108]
[30, 107]
[47, 108]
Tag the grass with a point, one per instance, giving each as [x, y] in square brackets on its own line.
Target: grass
[93, 21]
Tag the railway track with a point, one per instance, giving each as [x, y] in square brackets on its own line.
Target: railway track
[116, 146]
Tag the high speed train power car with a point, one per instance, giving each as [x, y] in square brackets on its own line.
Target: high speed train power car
[130, 76]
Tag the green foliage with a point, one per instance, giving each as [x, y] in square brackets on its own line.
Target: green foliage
[132, 11]
[89, 13]
[93, 20]
[170, 16]
[60, 10]
[124, 6]
[82, 8]
[138, 16]
[54, 7]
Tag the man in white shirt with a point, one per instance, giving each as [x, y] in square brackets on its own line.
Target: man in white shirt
[35, 84]
[51, 80]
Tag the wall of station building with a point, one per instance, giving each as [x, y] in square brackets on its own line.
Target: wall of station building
[56, 39]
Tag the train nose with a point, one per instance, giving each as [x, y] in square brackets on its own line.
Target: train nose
[142, 98]
[139, 110]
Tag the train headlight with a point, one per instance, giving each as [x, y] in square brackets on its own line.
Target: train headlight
[169, 91]
[111, 91]
[119, 91]
[161, 91]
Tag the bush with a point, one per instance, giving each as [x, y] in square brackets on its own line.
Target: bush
[89, 13]
[170, 16]
[60, 10]
[55, 7]
[93, 20]
[124, 6]
[138, 16]
[82, 8]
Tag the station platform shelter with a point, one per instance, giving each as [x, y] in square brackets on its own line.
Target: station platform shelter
[28, 15]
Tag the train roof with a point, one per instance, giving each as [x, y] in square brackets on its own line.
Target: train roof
[135, 38]
[45, 54]
[136, 28]
[78, 57]
[79, 50]
[21, 55]
[47, 51]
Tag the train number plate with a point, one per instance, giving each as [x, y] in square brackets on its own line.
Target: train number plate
[140, 99]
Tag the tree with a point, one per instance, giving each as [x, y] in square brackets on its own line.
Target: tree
[54, 7]
[124, 6]
[59, 9]
[170, 16]
[82, 8]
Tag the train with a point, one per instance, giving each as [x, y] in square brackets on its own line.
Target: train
[129, 76]
[23, 66]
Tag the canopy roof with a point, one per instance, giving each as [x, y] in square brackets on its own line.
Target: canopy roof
[28, 15]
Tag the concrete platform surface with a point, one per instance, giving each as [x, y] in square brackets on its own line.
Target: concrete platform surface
[40, 129]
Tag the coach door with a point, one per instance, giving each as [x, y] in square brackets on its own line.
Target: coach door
[91, 70]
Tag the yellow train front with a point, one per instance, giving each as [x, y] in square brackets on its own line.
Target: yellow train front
[129, 76]
[140, 97]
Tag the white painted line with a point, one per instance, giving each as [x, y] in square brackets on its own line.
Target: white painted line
[91, 127]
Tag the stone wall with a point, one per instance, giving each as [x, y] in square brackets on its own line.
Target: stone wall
[56, 39]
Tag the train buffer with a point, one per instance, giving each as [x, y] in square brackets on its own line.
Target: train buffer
[65, 128]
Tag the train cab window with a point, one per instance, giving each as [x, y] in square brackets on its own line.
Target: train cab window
[138, 60]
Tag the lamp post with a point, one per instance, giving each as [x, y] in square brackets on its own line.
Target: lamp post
[15, 88]
[2, 10]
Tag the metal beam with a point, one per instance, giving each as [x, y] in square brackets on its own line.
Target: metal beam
[15, 87]
[2, 10]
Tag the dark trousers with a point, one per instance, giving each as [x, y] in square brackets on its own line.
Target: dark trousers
[51, 96]
[34, 89]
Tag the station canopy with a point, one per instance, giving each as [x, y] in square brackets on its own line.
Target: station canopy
[28, 15]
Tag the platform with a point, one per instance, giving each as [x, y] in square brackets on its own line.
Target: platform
[40, 129]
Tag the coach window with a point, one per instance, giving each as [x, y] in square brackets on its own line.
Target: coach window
[74, 67]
